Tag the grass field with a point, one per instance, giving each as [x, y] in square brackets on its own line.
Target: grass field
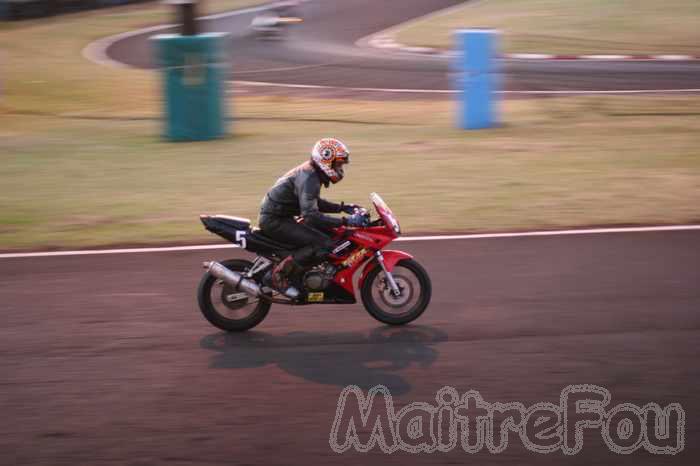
[75, 182]
[43, 69]
[571, 26]
[82, 164]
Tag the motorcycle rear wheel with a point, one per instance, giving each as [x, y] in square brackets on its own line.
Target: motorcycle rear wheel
[228, 309]
[415, 287]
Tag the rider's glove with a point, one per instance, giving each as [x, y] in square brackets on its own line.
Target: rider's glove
[348, 208]
[356, 220]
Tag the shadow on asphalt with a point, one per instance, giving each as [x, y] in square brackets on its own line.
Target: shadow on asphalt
[364, 359]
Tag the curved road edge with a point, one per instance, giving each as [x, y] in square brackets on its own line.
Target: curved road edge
[96, 51]
[526, 79]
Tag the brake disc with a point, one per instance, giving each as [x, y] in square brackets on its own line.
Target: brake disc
[405, 289]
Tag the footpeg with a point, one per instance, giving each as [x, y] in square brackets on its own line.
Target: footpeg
[291, 292]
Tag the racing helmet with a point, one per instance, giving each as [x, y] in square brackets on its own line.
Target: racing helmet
[329, 155]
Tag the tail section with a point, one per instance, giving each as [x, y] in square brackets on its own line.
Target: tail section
[234, 229]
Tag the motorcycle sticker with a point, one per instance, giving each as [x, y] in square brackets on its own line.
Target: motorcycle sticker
[342, 247]
[315, 297]
[354, 257]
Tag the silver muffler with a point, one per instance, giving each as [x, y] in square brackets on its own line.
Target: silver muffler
[234, 279]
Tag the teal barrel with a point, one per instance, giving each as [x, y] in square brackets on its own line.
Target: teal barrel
[193, 68]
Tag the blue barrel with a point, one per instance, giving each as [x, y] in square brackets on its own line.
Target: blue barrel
[194, 68]
[479, 81]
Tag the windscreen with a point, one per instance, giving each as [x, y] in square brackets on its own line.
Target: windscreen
[385, 212]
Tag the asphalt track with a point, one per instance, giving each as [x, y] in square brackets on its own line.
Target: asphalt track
[106, 360]
[322, 52]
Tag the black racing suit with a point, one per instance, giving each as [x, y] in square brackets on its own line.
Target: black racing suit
[298, 193]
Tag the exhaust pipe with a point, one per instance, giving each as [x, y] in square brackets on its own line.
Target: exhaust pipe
[233, 279]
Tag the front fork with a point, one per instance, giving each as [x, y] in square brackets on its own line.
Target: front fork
[389, 276]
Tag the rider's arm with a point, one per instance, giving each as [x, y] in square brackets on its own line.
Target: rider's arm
[329, 207]
[308, 189]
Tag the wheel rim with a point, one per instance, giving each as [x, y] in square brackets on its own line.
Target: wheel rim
[231, 304]
[410, 291]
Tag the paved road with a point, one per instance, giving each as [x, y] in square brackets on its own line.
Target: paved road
[106, 360]
[322, 52]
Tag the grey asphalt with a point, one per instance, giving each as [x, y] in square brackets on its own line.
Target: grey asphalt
[106, 359]
[322, 52]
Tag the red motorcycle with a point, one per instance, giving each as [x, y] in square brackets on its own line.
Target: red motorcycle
[395, 289]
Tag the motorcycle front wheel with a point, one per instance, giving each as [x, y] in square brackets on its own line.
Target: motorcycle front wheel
[229, 309]
[415, 292]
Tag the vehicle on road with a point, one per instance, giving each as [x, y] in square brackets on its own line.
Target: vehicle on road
[272, 27]
[275, 23]
[234, 295]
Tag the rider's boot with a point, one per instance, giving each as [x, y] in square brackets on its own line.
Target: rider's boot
[280, 276]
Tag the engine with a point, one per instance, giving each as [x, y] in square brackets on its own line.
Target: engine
[318, 278]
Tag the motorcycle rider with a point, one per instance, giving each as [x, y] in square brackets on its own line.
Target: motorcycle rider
[297, 193]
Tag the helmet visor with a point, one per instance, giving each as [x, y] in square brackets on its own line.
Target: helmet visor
[339, 167]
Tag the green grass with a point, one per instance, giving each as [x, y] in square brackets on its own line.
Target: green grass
[557, 162]
[82, 163]
[43, 69]
[571, 26]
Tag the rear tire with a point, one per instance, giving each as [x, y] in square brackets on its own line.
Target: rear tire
[412, 279]
[213, 313]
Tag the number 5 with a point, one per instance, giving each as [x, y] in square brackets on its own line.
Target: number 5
[240, 238]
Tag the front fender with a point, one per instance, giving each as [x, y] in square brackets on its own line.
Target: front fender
[390, 260]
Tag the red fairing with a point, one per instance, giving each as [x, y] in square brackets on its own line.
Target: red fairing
[392, 257]
[344, 279]
[390, 260]
[372, 237]
[368, 241]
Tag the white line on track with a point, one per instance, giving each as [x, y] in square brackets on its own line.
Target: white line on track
[452, 91]
[619, 91]
[674, 57]
[587, 231]
[604, 57]
[340, 88]
[530, 56]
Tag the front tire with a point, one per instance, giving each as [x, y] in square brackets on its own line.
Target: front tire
[228, 309]
[415, 287]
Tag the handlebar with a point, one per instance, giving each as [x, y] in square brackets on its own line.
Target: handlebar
[377, 222]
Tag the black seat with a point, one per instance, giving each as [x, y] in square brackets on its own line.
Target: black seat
[257, 233]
